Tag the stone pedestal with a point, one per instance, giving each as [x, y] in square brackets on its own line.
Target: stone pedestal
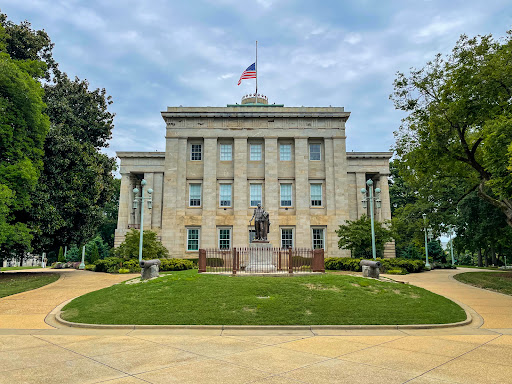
[261, 258]
[370, 272]
[149, 272]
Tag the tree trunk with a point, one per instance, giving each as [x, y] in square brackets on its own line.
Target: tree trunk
[480, 257]
[486, 257]
[493, 256]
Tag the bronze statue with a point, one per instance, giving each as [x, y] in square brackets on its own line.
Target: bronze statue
[261, 223]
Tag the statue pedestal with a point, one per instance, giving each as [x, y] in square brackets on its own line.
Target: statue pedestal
[261, 258]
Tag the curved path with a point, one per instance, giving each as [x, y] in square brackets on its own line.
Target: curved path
[32, 351]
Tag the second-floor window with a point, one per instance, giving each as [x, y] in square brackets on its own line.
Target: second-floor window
[255, 194]
[195, 195]
[225, 195]
[315, 151]
[316, 195]
[226, 152]
[286, 195]
[195, 152]
[255, 152]
[285, 152]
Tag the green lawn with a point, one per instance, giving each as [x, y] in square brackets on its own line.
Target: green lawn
[476, 267]
[12, 283]
[494, 281]
[187, 297]
[18, 268]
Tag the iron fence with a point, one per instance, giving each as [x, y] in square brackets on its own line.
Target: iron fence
[261, 260]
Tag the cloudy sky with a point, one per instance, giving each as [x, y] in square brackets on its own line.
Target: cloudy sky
[154, 54]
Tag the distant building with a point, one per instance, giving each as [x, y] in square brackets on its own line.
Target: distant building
[220, 162]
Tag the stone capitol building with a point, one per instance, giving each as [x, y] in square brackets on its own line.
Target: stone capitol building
[220, 162]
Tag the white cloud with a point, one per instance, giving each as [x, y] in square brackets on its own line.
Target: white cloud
[352, 38]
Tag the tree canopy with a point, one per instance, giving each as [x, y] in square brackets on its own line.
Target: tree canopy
[457, 136]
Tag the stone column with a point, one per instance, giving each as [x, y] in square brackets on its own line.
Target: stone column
[169, 197]
[360, 183]
[341, 188]
[181, 198]
[209, 195]
[271, 198]
[240, 204]
[148, 213]
[303, 226]
[385, 213]
[125, 201]
[331, 238]
[156, 217]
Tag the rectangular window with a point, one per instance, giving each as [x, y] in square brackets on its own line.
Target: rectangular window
[225, 152]
[255, 194]
[286, 195]
[195, 152]
[285, 152]
[318, 238]
[194, 195]
[286, 238]
[314, 151]
[225, 195]
[316, 195]
[193, 239]
[225, 238]
[255, 152]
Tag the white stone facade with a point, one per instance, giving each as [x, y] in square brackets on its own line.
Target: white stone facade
[220, 161]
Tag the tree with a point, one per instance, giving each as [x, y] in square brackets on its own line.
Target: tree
[151, 247]
[356, 236]
[436, 251]
[108, 224]
[458, 132]
[23, 128]
[61, 258]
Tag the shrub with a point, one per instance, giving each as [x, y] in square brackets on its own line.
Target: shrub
[110, 264]
[176, 265]
[132, 265]
[61, 258]
[396, 271]
[349, 264]
[90, 267]
[124, 270]
[214, 262]
[435, 265]
[57, 265]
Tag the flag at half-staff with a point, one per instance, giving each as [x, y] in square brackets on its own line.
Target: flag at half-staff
[249, 73]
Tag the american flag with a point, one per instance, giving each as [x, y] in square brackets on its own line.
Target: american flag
[249, 73]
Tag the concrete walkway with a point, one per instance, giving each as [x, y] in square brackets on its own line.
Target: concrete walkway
[478, 353]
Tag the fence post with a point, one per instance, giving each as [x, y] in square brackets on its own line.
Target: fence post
[318, 260]
[233, 261]
[202, 261]
[290, 261]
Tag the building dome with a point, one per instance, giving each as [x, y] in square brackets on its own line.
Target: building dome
[251, 99]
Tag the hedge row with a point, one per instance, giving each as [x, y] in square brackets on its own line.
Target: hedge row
[349, 264]
[114, 264]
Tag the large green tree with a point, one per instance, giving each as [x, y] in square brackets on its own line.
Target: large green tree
[457, 135]
[23, 128]
[356, 236]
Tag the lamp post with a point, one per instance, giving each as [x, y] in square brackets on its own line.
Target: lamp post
[136, 200]
[427, 264]
[370, 198]
[450, 233]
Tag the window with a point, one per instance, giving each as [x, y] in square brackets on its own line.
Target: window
[255, 152]
[285, 152]
[316, 195]
[225, 238]
[255, 194]
[318, 238]
[195, 152]
[225, 152]
[194, 195]
[286, 195]
[225, 195]
[314, 151]
[286, 238]
[192, 239]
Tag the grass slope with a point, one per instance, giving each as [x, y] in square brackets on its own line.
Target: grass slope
[190, 298]
[494, 281]
[12, 283]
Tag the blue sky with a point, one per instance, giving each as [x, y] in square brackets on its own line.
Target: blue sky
[153, 54]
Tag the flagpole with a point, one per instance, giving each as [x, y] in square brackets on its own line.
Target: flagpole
[256, 72]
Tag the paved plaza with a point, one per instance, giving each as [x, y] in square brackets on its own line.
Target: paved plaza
[34, 348]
